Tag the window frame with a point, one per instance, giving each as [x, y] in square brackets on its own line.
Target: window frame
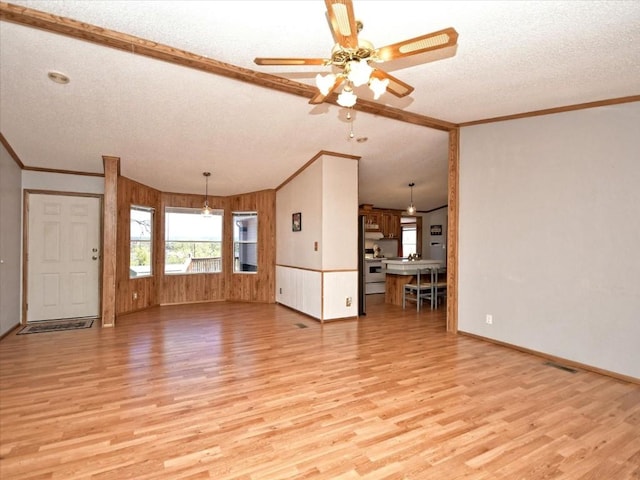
[237, 242]
[197, 213]
[151, 212]
[406, 227]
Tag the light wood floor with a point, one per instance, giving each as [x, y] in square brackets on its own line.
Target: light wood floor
[242, 391]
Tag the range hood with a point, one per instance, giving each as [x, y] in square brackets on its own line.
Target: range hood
[373, 235]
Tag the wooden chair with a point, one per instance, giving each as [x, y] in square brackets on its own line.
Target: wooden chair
[421, 290]
[431, 285]
[439, 284]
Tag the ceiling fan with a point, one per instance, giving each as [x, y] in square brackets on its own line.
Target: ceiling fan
[356, 60]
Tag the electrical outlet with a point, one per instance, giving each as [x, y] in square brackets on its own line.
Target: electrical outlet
[489, 319]
[135, 295]
[348, 302]
[280, 291]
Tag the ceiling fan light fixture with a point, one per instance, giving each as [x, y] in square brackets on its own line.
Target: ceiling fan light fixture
[347, 98]
[378, 87]
[354, 59]
[325, 83]
[359, 72]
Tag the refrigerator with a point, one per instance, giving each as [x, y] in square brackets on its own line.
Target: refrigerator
[362, 302]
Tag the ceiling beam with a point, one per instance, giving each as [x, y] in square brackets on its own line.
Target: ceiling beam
[139, 46]
[550, 111]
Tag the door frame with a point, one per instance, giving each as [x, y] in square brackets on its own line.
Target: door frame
[25, 241]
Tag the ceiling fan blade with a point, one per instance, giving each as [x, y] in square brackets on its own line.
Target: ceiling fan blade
[319, 97]
[431, 41]
[289, 61]
[343, 22]
[396, 87]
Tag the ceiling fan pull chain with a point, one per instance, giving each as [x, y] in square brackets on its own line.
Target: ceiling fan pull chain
[351, 135]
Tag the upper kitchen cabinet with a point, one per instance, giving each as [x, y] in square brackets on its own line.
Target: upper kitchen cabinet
[390, 224]
[372, 218]
[386, 222]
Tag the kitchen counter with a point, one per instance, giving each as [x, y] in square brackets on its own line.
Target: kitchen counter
[401, 271]
[402, 266]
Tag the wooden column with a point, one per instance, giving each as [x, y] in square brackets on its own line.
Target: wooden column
[109, 230]
[452, 231]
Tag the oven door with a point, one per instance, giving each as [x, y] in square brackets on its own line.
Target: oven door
[373, 272]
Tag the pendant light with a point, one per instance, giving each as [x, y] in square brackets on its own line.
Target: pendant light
[411, 209]
[206, 209]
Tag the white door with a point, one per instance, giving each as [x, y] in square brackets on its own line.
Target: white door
[63, 262]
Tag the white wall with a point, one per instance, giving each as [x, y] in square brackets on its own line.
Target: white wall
[326, 194]
[10, 242]
[339, 213]
[302, 195]
[13, 181]
[62, 182]
[437, 252]
[550, 235]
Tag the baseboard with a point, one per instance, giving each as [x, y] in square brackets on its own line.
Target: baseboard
[564, 361]
[192, 302]
[10, 331]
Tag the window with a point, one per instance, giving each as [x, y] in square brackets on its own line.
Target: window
[245, 242]
[409, 239]
[140, 237]
[193, 241]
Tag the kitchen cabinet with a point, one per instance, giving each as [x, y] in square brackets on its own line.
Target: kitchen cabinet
[385, 221]
[372, 222]
[372, 218]
[390, 225]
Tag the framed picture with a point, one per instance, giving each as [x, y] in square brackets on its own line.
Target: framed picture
[436, 230]
[296, 222]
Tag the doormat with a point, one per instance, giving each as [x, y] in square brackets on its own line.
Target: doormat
[56, 326]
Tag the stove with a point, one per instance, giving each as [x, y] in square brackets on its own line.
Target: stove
[374, 277]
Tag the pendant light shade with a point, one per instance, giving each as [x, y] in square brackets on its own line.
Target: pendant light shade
[206, 209]
[356, 72]
[411, 209]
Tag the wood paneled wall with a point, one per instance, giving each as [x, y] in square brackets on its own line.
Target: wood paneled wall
[146, 288]
[196, 287]
[260, 286]
[206, 287]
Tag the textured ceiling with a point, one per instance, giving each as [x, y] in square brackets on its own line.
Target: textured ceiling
[169, 123]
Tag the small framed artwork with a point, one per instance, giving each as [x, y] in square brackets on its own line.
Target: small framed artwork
[436, 230]
[296, 222]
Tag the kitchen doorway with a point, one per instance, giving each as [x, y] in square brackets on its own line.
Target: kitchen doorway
[62, 261]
